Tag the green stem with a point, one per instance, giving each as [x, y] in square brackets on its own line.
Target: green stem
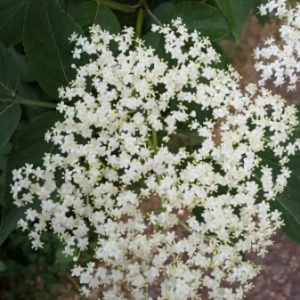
[154, 139]
[149, 12]
[118, 6]
[139, 22]
[149, 143]
[189, 136]
[138, 33]
[162, 202]
[185, 226]
[191, 231]
[29, 102]
[161, 198]
[73, 281]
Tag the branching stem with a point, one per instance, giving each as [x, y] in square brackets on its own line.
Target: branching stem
[149, 12]
[29, 102]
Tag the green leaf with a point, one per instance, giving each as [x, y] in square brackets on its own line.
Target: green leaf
[9, 119]
[28, 147]
[237, 12]
[290, 198]
[223, 63]
[202, 17]
[69, 5]
[9, 80]
[2, 266]
[9, 77]
[12, 13]
[155, 41]
[291, 226]
[287, 202]
[90, 12]
[62, 258]
[9, 222]
[46, 33]
[21, 65]
[161, 12]
[3, 157]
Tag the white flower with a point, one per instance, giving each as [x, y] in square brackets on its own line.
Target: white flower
[119, 181]
[281, 63]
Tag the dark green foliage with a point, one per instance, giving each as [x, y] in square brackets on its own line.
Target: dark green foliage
[288, 202]
[46, 41]
[9, 119]
[32, 275]
[202, 17]
[12, 14]
[237, 12]
[28, 147]
[89, 13]
[9, 76]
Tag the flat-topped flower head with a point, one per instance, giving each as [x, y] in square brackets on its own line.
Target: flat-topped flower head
[165, 215]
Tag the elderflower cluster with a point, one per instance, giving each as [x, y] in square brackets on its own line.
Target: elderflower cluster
[177, 218]
[281, 62]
